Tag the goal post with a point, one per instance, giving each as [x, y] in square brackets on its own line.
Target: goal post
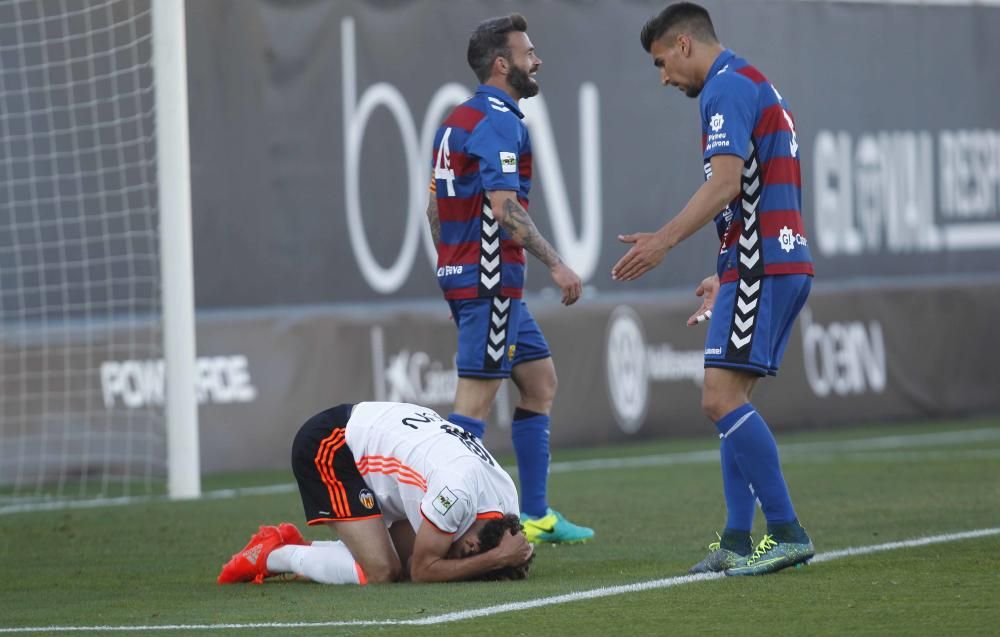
[97, 340]
[176, 258]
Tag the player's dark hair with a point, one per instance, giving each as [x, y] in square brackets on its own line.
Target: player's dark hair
[685, 16]
[489, 538]
[489, 41]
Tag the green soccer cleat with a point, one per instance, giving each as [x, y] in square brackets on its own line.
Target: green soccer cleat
[553, 527]
[718, 559]
[771, 556]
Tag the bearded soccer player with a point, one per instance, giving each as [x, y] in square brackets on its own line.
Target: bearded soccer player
[764, 272]
[480, 224]
[411, 495]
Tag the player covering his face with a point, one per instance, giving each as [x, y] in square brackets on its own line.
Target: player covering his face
[412, 497]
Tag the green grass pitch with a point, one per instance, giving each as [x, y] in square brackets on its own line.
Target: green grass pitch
[155, 563]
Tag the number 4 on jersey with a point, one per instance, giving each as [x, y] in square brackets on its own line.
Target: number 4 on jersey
[442, 170]
[794, 144]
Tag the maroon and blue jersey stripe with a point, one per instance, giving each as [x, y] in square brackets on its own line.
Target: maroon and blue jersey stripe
[761, 230]
[483, 145]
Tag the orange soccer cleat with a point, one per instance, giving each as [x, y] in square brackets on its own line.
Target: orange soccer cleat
[290, 534]
[250, 564]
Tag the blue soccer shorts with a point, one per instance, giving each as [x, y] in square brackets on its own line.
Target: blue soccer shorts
[752, 320]
[495, 335]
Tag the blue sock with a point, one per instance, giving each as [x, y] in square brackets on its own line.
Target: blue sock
[740, 501]
[474, 426]
[756, 454]
[530, 434]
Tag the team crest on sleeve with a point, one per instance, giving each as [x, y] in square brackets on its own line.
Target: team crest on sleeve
[444, 500]
[367, 499]
[716, 122]
[508, 162]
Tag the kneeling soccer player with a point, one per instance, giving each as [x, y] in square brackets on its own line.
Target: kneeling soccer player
[411, 495]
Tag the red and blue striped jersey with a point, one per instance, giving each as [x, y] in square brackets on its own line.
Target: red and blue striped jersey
[761, 230]
[482, 146]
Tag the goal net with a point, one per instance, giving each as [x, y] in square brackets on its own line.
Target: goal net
[80, 304]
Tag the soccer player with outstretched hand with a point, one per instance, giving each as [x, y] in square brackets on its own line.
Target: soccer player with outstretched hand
[763, 277]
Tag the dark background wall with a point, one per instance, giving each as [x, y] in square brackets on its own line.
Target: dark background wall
[268, 136]
[313, 276]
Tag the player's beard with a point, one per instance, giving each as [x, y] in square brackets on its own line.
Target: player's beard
[521, 82]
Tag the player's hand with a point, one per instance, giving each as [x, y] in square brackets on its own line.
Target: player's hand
[647, 250]
[514, 549]
[708, 289]
[568, 282]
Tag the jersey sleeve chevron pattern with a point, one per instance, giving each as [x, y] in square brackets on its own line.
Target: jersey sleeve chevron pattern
[481, 146]
[761, 231]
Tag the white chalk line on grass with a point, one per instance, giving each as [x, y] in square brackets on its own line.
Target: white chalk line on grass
[445, 618]
[792, 451]
[852, 449]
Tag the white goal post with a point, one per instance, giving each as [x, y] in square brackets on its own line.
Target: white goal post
[176, 260]
[97, 335]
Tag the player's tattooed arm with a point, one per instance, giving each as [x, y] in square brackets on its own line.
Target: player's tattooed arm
[433, 219]
[516, 221]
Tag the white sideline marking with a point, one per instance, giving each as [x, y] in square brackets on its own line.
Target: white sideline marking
[815, 451]
[790, 451]
[59, 505]
[604, 591]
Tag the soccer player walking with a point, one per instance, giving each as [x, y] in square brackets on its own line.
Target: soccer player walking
[480, 224]
[764, 272]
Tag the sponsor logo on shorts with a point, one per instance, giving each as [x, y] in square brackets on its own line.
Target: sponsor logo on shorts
[713, 351]
[510, 352]
[367, 499]
[444, 500]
